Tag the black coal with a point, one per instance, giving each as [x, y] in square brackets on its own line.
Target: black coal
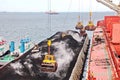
[27, 67]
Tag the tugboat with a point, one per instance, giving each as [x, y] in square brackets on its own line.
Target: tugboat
[104, 60]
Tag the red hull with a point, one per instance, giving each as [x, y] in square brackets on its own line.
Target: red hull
[104, 61]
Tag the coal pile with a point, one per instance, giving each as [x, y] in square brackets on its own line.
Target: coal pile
[65, 49]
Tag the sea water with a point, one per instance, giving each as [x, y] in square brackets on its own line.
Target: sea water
[39, 26]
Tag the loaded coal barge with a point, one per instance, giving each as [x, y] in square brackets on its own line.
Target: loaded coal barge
[69, 49]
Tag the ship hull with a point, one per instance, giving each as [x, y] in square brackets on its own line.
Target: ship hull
[104, 55]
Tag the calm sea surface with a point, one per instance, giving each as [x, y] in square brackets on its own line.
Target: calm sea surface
[39, 26]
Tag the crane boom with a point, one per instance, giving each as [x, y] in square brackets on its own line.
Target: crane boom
[111, 5]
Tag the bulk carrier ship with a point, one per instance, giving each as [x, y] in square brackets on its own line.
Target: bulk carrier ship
[104, 60]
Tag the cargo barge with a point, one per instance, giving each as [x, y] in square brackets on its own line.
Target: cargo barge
[69, 49]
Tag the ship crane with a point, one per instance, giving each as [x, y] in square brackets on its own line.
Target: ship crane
[111, 5]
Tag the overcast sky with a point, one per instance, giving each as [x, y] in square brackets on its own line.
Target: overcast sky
[56, 5]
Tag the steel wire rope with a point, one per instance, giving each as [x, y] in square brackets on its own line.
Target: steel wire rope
[80, 10]
[67, 14]
[80, 18]
[90, 11]
[49, 15]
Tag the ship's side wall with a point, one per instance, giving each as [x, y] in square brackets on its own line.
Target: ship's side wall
[77, 70]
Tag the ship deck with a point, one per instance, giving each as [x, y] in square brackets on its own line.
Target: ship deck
[100, 66]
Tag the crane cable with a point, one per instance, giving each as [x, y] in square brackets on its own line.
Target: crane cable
[79, 13]
[79, 10]
[67, 14]
[80, 17]
[49, 16]
[90, 11]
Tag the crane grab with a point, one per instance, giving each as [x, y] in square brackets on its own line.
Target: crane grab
[49, 63]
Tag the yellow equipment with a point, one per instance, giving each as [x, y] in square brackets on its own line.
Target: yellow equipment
[49, 63]
[90, 24]
[79, 25]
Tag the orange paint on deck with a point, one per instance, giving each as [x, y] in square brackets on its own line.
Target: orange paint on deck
[100, 65]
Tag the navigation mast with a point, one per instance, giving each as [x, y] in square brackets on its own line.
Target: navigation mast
[111, 5]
